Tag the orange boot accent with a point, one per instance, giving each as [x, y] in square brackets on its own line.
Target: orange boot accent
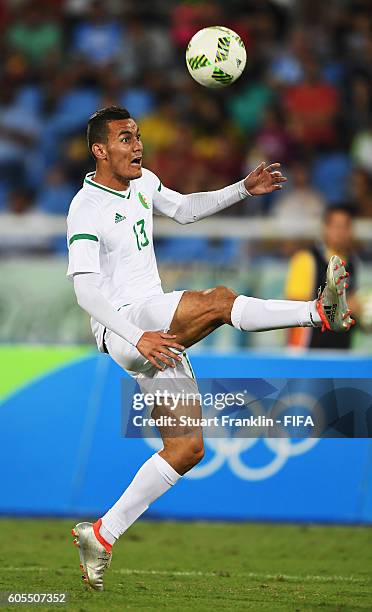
[321, 313]
[96, 528]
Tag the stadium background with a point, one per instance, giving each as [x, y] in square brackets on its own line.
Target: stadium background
[304, 100]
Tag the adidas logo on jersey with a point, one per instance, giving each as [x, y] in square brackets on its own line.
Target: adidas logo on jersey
[119, 218]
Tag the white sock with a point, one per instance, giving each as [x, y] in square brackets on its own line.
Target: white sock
[253, 314]
[107, 536]
[153, 479]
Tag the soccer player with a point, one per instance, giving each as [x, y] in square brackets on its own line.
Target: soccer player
[113, 267]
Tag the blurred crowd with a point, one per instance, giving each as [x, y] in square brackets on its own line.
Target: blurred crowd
[303, 100]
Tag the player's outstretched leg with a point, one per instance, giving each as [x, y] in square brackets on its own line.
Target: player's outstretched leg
[201, 312]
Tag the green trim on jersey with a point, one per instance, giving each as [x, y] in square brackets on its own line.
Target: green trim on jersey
[189, 364]
[160, 186]
[82, 237]
[108, 189]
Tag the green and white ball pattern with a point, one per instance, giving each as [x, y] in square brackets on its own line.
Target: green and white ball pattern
[216, 56]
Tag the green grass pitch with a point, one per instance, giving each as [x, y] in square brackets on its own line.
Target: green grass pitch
[197, 566]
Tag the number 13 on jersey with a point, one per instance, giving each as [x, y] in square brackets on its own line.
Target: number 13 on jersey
[140, 234]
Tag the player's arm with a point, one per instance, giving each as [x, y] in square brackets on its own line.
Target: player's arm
[194, 206]
[152, 345]
[300, 286]
[91, 299]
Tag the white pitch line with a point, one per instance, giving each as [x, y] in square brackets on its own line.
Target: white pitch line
[196, 574]
[223, 574]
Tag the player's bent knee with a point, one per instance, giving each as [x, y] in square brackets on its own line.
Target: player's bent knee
[222, 299]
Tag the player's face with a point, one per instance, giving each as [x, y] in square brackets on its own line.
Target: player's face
[124, 149]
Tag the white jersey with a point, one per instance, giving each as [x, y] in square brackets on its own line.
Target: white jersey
[111, 233]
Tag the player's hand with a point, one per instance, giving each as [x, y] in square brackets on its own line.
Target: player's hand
[264, 179]
[155, 346]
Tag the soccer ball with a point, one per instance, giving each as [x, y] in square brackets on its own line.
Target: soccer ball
[216, 56]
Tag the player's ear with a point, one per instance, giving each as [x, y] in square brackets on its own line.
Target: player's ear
[99, 150]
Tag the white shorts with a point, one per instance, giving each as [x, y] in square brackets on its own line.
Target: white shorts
[151, 314]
